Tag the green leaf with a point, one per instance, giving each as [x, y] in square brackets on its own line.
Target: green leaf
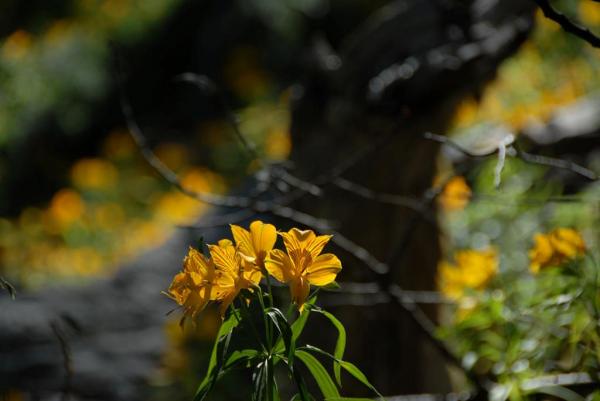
[321, 376]
[284, 329]
[216, 357]
[340, 345]
[238, 356]
[347, 399]
[333, 286]
[303, 394]
[298, 325]
[258, 382]
[560, 392]
[348, 367]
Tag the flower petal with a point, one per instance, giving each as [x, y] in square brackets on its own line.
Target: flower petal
[243, 240]
[223, 256]
[315, 247]
[226, 302]
[297, 239]
[299, 289]
[263, 239]
[324, 269]
[280, 266]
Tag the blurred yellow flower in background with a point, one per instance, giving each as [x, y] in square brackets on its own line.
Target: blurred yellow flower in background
[303, 264]
[456, 194]
[118, 145]
[94, 174]
[473, 269]
[555, 248]
[66, 207]
[589, 12]
[17, 44]
[173, 155]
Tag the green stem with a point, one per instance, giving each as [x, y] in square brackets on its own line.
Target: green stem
[268, 326]
[248, 317]
[268, 280]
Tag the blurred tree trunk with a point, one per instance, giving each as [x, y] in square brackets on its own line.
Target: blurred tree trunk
[401, 75]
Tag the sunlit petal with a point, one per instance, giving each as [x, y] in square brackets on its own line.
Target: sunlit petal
[299, 289]
[324, 269]
[279, 265]
[315, 247]
[243, 241]
[263, 239]
[297, 239]
[223, 256]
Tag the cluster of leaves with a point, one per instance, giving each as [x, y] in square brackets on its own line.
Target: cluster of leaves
[275, 345]
[537, 313]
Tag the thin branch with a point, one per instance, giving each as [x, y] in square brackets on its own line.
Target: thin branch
[67, 362]
[359, 253]
[221, 220]
[208, 86]
[526, 157]
[556, 163]
[428, 328]
[168, 174]
[8, 287]
[566, 24]
[391, 199]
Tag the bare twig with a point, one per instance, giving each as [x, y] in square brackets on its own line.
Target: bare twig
[67, 363]
[526, 157]
[206, 85]
[568, 25]
[391, 199]
[168, 174]
[221, 220]
[556, 163]
[8, 287]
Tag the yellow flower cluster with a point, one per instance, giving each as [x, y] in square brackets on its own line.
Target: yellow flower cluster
[456, 194]
[555, 248]
[472, 269]
[232, 268]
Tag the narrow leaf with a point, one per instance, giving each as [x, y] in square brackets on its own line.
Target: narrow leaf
[215, 363]
[324, 381]
[348, 367]
[285, 331]
[340, 345]
[560, 392]
[298, 325]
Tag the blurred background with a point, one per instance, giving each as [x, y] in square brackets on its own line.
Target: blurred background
[78, 201]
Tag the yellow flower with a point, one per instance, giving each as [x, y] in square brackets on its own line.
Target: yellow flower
[456, 194]
[472, 269]
[66, 207]
[233, 273]
[94, 173]
[255, 245]
[303, 264]
[554, 248]
[192, 288]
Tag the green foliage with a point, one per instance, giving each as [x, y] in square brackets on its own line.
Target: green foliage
[525, 325]
[278, 341]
